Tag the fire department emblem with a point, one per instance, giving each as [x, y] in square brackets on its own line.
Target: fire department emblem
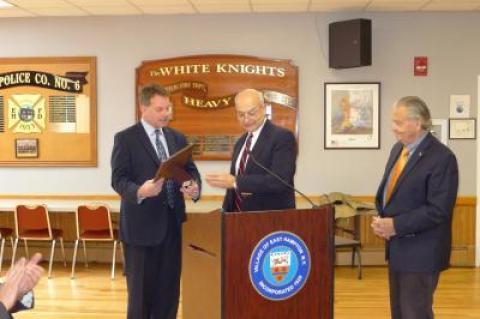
[26, 113]
[279, 265]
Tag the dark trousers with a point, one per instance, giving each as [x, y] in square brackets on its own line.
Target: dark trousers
[153, 276]
[411, 294]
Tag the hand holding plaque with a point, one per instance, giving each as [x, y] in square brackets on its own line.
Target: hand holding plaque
[173, 167]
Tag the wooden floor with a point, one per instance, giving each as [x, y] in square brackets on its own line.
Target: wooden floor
[94, 296]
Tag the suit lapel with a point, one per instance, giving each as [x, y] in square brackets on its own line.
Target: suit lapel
[146, 143]
[172, 147]
[396, 150]
[412, 162]
[260, 144]
[236, 152]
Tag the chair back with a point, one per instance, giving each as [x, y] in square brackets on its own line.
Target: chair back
[31, 218]
[94, 218]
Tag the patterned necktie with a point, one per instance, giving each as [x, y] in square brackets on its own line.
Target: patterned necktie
[162, 156]
[241, 171]
[396, 171]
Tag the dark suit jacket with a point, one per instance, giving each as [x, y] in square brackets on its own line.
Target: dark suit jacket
[134, 161]
[276, 149]
[4, 314]
[421, 205]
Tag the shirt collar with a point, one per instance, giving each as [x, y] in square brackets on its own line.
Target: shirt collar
[257, 132]
[149, 129]
[413, 146]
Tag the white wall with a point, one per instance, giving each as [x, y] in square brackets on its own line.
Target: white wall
[450, 40]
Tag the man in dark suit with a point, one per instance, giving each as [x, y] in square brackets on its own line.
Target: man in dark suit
[15, 292]
[415, 200]
[249, 186]
[151, 213]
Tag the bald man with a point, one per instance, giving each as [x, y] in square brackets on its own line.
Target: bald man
[249, 187]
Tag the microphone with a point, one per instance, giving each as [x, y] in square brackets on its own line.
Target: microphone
[281, 180]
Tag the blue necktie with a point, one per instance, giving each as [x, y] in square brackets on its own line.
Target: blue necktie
[162, 156]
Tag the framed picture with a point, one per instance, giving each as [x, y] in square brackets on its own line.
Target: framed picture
[26, 148]
[439, 130]
[352, 115]
[459, 106]
[462, 129]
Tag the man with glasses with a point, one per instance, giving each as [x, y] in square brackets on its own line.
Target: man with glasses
[250, 187]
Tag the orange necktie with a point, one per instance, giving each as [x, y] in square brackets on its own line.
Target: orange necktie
[396, 171]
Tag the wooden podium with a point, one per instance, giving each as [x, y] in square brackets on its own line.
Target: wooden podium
[220, 249]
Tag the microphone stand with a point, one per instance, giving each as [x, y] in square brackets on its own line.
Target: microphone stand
[282, 181]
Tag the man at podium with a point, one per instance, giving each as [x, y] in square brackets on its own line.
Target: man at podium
[263, 162]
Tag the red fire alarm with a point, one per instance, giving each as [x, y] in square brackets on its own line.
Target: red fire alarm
[420, 66]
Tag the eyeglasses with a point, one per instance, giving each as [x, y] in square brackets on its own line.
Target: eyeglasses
[251, 113]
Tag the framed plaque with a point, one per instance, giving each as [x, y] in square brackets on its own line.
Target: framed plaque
[48, 111]
[203, 90]
[26, 148]
[462, 129]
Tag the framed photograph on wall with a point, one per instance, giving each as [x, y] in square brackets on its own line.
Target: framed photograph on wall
[352, 115]
[462, 129]
[439, 130]
[26, 148]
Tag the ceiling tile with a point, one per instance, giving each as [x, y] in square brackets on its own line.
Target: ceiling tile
[156, 3]
[219, 8]
[167, 9]
[40, 4]
[347, 6]
[279, 2]
[281, 8]
[100, 3]
[226, 2]
[389, 5]
[63, 12]
[109, 10]
[336, 2]
[14, 13]
[448, 5]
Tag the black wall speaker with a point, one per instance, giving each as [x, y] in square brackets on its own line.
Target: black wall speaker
[350, 43]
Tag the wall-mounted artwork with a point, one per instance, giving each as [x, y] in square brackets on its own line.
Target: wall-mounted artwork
[439, 130]
[48, 111]
[462, 129]
[352, 115]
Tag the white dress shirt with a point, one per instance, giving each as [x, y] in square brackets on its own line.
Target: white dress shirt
[152, 136]
[255, 136]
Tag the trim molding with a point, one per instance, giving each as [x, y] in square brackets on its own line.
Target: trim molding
[461, 200]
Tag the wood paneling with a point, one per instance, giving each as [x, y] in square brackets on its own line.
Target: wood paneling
[463, 241]
[463, 237]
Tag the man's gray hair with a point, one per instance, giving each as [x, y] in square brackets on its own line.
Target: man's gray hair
[417, 109]
[259, 93]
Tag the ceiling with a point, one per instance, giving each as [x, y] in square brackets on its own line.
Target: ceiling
[48, 8]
